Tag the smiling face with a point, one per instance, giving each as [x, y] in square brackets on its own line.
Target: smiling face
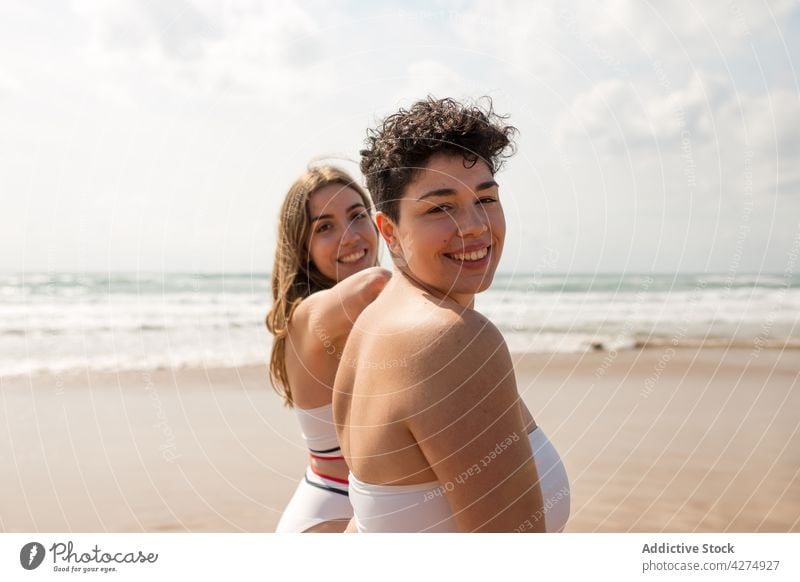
[451, 227]
[342, 238]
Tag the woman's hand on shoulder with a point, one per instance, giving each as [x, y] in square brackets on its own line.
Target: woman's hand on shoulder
[371, 282]
[330, 314]
[464, 414]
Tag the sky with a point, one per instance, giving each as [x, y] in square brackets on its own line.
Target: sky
[162, 135]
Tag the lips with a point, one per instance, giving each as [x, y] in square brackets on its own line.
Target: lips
[353, 257]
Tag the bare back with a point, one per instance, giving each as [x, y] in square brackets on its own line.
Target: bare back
[382, 391]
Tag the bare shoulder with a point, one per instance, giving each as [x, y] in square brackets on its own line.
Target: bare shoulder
[456, 366]
[457, 344]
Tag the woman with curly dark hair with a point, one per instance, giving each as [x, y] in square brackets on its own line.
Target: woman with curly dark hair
[443, 442]
[324, 275]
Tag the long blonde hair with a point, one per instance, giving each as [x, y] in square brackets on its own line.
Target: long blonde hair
[294, 275]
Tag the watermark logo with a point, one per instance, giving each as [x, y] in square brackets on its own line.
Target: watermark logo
[68, 559]
[31, 555]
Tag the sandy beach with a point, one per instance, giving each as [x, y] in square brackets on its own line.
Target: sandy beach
[686, 440]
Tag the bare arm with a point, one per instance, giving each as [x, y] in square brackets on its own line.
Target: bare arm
[331, 313]
[468, 424]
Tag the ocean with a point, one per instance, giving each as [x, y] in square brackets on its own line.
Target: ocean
[134, 321]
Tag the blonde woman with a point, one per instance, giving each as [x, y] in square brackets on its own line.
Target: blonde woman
[324, 275]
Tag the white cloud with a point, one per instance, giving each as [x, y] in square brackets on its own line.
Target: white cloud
[676, 28]
[241, 47]
[769, 125]
[705, 118]
[620, 114]
[521, 33]
[429, 77]
[548, 38]
[9, 85]
[699, 163]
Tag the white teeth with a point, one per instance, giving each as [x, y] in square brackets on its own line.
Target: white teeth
[473, 256]
[353, 257]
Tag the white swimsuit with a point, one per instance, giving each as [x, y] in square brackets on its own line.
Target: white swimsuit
[318, 498]
[424, 507]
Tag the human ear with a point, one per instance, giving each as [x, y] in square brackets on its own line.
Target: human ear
[388, 231]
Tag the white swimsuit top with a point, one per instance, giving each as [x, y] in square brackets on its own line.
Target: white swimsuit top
[424, 507]
[319, 432]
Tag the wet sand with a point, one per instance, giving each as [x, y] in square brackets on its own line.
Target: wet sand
[654, 440]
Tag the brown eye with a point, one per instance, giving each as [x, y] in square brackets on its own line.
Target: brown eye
[439, 209]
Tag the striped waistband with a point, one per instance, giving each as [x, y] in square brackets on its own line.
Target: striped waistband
[326, 482]
[334, 454]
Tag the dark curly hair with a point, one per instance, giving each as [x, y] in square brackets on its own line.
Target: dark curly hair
[405, 141]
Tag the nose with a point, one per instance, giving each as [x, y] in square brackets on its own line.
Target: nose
[474, 222]
[349, 237]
